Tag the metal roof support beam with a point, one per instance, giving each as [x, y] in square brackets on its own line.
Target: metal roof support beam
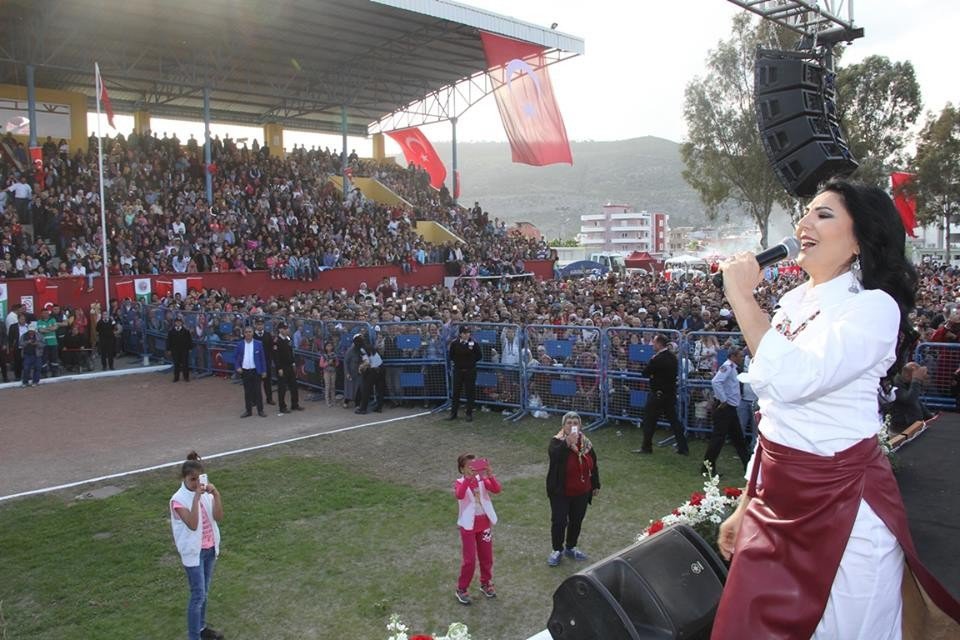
[207, 144]
[32, 105]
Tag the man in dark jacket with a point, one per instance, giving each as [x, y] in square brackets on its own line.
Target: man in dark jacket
[662, 398]
[179, 344]
[259, 333]
[464, 355]
[284, 360]
[107, 340]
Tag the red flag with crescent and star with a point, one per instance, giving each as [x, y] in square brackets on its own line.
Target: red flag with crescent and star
[418, 150]
[524, 93]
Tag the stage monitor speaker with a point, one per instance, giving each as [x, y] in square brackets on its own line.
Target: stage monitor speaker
[664, 587]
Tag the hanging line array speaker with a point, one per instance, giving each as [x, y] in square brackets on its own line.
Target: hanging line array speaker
[796, 105]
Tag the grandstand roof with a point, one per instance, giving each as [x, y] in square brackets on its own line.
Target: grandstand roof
[294, 62]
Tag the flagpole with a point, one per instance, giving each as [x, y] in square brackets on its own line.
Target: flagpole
[103, 204]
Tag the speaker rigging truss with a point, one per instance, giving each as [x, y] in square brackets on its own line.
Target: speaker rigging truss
[820, 22]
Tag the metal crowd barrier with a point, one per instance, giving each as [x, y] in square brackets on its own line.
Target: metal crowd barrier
[567, 374]
[705, 352]
[415, 361]
[628, 352]
[500, 379]
[942, 360]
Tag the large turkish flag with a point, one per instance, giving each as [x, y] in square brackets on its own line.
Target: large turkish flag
[524, 96]
[418, 150]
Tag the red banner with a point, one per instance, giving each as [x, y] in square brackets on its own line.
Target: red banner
[124, 290]
[906, 203]
[524, 93]
[418, 150]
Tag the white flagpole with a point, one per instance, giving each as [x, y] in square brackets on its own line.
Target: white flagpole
[103, 204]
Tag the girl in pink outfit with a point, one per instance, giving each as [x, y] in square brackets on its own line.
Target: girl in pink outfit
[476, 519]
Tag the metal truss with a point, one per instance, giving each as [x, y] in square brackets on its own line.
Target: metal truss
[452, 101]
[821, 22]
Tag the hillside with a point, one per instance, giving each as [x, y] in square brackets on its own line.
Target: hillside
[643, 172]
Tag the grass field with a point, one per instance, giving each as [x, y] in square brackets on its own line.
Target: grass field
[326, 538]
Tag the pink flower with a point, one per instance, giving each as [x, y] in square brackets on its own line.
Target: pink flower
[421, 636]
[697, 498]
[675, 512]
[655, 526]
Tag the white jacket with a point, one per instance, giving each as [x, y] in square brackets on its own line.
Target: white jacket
[188, 541]
[468, 506]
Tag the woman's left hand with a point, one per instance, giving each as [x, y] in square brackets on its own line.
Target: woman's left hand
[596, 492]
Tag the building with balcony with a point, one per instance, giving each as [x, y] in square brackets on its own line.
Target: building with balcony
[620, 229]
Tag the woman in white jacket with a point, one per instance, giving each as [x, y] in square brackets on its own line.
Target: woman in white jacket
[475, 521]
[195, 510]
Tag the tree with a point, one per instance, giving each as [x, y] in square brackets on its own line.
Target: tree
[724, 159]
[937, 167]
[878, 102]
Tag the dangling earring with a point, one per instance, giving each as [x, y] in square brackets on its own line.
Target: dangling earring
[857, 271]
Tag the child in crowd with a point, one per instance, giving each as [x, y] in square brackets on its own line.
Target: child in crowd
[195, 510]
[328, 363]
[476, 519]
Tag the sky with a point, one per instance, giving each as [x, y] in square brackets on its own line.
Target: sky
[641, 54]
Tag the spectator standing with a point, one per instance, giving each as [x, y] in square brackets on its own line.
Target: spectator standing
[284, 360]
[107, 328]
[464, 355]
[662, 398]
[726, 422]
[372, 379]
[252, 367]
[14, 334]
[179, 345]
[31, 350]
[264, 336]
[907, 407]
[195, 511]
[351, 372]
[573, 479]
[475, 521]
[328, 363]
[47, 328]
[22, 193]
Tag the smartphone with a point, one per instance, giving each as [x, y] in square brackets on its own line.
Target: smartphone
[479, 464]
[574, 429]
[202, 480]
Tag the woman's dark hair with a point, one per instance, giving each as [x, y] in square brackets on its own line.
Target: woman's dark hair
[879, 232]
[463, 459]
[191, 465]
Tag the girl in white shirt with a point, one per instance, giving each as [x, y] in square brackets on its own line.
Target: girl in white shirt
[475, 522]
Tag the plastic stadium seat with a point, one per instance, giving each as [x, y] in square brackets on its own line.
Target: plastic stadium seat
[408, 341]
[485, 336]
[412, 381]
[486, 379]
[638, 398]
[563, 388]
[640, 352]
[559, 348]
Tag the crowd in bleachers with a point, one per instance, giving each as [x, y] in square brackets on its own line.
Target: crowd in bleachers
[281, 215]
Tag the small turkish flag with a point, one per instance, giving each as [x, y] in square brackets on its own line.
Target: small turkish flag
[418, 150]
[104, 98]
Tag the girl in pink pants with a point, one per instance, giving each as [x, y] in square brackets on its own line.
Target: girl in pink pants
[476, 519]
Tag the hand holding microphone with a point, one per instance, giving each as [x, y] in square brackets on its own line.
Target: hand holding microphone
[789, 247]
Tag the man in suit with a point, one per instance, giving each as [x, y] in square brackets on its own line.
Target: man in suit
[179, 344]
[662, 398]
[266, 338]
[251, 364]
[464, 355]
[286, 370]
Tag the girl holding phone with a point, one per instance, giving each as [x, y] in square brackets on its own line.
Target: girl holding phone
[475, 521]
[195, 510]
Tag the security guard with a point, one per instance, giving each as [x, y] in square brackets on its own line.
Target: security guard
[726, 390]
[267, 339]
[464, 355]
[179, 344]
[283, 359]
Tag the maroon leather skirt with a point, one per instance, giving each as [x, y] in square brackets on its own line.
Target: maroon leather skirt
[793, 535]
